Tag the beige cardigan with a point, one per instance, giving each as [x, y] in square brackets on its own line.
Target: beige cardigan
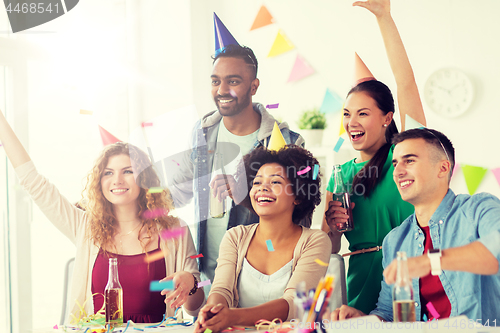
[72, 222]
[312, 245]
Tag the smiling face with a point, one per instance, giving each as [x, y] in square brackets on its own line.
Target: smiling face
[233, 85]
[117, 181]
[364, 122]
[271, 193]
[420, 172]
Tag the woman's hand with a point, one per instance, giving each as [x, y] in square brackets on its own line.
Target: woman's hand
[379, 8]
[215, 317]
[336, 215]
[183, 282]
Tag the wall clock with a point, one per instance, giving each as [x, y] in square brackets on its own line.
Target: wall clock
[449, 92]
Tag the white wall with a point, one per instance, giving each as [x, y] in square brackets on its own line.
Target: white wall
[131, 61]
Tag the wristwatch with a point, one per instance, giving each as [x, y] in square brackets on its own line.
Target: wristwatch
[195, 287]
[435, 258]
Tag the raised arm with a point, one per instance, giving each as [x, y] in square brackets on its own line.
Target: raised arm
[13, 147]
[407, 92]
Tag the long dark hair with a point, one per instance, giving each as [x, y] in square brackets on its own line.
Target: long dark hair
[385, 102]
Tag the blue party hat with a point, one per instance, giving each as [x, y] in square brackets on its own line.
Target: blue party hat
[223, 37]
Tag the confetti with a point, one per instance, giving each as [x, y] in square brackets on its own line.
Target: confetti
[155, 190]
[315, 172]
[338, 145]
[269, 244]
[161, 285]
[232, 93]
[154, 256]
[151, 214]
[173, 233]
[55, 327]
[144, 124]
[272, 106]
[196, 256]
[306, 170]
[321, 263]
[208, 330]
[204, 283]
[432, 310]
[176, 163]
[86, 112]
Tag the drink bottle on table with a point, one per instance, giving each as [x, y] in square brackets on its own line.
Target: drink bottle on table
[113, 295]
[403, 304]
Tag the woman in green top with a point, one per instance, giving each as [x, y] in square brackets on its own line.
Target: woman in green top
[377, 205]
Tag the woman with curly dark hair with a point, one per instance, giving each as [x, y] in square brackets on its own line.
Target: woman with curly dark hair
[260, 264]
[120, 219]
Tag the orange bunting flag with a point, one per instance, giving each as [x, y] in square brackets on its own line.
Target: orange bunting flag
[262, 19]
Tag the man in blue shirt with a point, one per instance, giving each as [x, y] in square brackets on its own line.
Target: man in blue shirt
[460, 272]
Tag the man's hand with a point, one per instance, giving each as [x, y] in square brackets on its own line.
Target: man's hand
[222, 186]
[345, 312]
[417, 267]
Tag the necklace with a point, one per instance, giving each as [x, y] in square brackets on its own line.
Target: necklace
[128, 233]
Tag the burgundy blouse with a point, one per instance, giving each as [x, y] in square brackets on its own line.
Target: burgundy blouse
[139, 304]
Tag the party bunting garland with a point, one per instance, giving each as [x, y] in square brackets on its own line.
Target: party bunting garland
[262, 19]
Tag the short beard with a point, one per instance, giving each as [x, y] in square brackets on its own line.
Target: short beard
[238, 107]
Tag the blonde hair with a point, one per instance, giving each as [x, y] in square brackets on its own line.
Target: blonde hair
[103, 225]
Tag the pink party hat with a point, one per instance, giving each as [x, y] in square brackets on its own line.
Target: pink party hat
[361, 72]
[223, 37]
[107, 138]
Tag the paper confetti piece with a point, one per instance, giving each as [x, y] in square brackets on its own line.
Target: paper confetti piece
[144, 124]
[173, 233]
[154, 256]
[321, 263]
[306, 170]
[176, 163]
[272, 106]
[432, 310]
[196, 256]
[232, 93]
[155, 190]
[269, 244]
[338, 145]
[208, 330]
[55, 327]
[86, 112]
[151, 214]
[315, 172]
[204, 283]
[160, 285]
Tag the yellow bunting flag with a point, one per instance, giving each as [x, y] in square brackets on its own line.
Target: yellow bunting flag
[473, 176]
[342, 129]
[262, 19]
[281, 45]
[277, 141]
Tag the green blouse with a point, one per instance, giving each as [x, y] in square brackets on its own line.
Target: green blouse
[373, 217]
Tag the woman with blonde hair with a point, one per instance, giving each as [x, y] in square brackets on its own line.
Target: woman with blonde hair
[121, 219]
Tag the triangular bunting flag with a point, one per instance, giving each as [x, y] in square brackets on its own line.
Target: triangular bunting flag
[277, 141]
[223, 37]
[281, 45]
[107, 138]
[496, 172]
[262, 19]
[361, 72]
[342, 129]
[411, 123]
[331, 102]
[300, 70]
[455, 168]
[473, 176]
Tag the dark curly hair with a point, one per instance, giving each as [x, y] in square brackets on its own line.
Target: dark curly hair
[293, 159]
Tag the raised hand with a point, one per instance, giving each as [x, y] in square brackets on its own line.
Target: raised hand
[377, 7]
[183, 282]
